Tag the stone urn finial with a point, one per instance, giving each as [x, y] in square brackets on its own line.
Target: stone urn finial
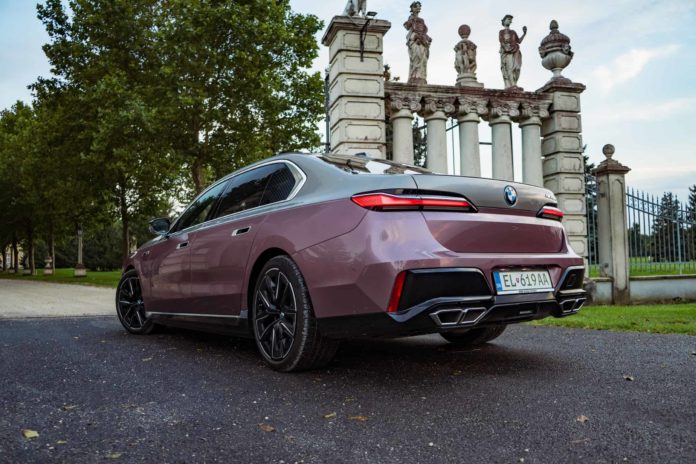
[608, 150]
[610, 165]
[555, 53]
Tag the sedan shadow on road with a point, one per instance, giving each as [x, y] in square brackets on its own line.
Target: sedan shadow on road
[412, 357]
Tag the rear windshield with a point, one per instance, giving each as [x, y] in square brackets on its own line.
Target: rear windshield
[367, 165]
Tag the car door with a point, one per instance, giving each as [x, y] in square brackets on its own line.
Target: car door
[169, 260]
[219, 253]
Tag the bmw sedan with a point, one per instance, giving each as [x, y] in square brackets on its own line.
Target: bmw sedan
[300, 251]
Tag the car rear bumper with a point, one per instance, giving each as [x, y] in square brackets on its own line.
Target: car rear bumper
[444, 314]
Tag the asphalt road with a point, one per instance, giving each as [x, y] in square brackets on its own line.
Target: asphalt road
[96, 394]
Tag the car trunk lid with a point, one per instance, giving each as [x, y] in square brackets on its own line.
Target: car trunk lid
[498, 226]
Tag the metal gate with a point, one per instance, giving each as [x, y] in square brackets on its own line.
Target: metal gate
[661, 233]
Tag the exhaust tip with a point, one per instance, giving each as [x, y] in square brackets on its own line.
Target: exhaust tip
[457, 316]
[447, 317]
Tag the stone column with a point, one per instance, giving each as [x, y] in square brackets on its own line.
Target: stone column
[80, 269]
[611, 226]
[530, 123]
[501, 128]
[401, 118]
[435, 114]
[356, 85]
[468, 116]
[563, 164]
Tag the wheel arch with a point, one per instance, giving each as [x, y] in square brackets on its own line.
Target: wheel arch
[261, 260]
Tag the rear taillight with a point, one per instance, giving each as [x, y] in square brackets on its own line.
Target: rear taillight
[396, 292]
[549, 212]
[389, 202]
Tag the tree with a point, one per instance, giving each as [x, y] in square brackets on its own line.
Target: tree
[105, 64]
[19, 200]
[159, 86]
[666, 230]
[691, 218]
[234, 82]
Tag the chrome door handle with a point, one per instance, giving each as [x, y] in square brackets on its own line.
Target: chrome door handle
[182, 245]
[241, 231]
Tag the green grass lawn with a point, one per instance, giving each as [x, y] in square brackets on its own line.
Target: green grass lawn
[65, 276]
[642, 267]
[677, 318]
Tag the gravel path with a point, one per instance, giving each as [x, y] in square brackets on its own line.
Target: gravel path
[22, 299]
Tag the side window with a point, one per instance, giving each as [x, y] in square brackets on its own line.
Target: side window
[280, 186]
[198, 211]
[261, 186]
[245, 190]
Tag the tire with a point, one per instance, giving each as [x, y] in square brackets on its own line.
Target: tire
[284, 325]
[473, 337]
[130, 307]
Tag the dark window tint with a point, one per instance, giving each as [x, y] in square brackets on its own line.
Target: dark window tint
[245, 190]
[198, 211]
[280, 186]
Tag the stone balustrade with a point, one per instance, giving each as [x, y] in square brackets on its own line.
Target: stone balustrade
[469, 105]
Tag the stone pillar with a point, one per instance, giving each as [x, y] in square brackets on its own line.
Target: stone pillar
[501, 138]
[435, 114]
[80, 269]
[612, 226]
[356, 85]
[468, 116]
[563, 164]
[401, 118]
[530, 123]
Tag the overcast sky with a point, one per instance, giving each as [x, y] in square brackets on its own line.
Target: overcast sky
[637, 58]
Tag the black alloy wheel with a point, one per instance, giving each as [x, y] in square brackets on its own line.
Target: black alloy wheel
[130, 306]
[276, 314]
[282, 317]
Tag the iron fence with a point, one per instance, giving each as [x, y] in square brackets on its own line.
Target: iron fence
[592, 235]
[661, 233]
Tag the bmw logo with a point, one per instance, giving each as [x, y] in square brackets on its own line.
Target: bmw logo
[511, 195]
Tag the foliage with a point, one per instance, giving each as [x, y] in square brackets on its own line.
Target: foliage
[666, 229]
[691, 218]
[101, 249]
[148, 101]
[238, 90]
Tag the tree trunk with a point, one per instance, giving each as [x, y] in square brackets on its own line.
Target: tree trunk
[15, 253]
[125, 224]
[197, 174]
[4, 258]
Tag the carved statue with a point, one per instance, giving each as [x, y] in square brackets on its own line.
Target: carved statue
[355, 8]
[510, 54]
[418, 43]
[465, 59]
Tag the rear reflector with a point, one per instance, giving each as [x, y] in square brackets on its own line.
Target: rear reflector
[549, 212]
[385, 201]
[396, 292]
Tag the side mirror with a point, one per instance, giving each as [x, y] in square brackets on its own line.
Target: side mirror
[160, 226]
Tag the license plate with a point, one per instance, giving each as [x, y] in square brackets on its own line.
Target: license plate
[507, 283]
